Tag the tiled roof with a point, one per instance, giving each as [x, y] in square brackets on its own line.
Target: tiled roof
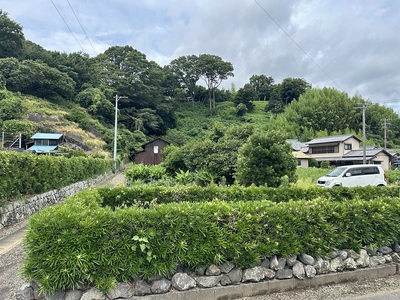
[332, 139]
[297, 145]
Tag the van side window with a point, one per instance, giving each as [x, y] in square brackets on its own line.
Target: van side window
[371, 170]
[356, 172]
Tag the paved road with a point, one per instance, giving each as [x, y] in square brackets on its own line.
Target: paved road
[387, 295]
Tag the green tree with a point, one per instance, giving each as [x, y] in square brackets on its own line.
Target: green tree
[186, 70]
[263, 85]
[265, 159]
[292, 88]
[322, 109]
[213, 70]
[11, 37]
[246, 95]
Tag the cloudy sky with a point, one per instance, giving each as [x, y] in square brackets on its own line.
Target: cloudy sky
[350, 45]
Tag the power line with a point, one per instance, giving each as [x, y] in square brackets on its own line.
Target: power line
[67, 25]
[76, 17]
[297, 44]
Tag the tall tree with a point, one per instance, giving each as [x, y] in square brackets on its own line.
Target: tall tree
[292, 88]
[11, 37]
[186, 70]
[245, 95]
[213, 70]
[263, 86]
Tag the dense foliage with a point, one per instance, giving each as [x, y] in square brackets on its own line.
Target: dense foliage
[81, 242]
[265, 159]
[24, 173]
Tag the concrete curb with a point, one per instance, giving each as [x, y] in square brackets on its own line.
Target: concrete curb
[275, 286]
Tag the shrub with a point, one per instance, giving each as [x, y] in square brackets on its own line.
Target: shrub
[79, 241]
[141, 172]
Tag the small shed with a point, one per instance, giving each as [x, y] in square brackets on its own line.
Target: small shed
[151, 155]
[46, 142]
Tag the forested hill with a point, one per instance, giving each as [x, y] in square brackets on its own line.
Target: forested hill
[180, 101]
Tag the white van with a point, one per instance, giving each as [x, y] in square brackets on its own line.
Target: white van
[354, 175]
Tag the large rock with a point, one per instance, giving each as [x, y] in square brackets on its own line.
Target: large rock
[183, 282]
[121, 290]
[25, 293]
[93, 294]
[73, 295]
[284, 274]
[269, 274]
[208, 281]
[291, 260]
[226, 267]
[160, 286]
[376, 260]
[342, 254]
[235, 275]
[142, 288]
[265, 263]
[255, 274]
[322, 266]
[396, 257]
[385, 250]
[306, 259]
[273, 264]
[298, 270]
[350, 264]
[281, 263]
[337, 265]
[213, 270]
[310, 271]
[363, 260]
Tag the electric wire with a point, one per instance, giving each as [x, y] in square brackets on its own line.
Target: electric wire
[297, 44]
[67, 25]
[80, 24]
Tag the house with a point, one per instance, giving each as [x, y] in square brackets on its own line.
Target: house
[345, 150]
[299, 151]
[46, 142]
[151, 155]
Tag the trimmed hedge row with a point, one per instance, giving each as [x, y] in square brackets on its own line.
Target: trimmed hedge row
[79, 242]
[24, 173]
[143, 195]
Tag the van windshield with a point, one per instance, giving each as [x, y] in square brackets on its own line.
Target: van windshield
[336, 172]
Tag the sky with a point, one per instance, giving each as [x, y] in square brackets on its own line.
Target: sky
[350, 45]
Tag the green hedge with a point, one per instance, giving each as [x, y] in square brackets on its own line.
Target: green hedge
[24, 173]
[79, 242]
[144, 195]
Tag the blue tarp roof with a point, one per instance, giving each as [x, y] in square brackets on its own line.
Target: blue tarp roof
[42, 149]
[46, 136]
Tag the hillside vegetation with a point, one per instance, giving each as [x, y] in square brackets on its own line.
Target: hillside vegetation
[181, 102]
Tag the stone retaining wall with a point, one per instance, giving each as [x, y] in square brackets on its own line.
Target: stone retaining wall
[19, 210]
[301, 267]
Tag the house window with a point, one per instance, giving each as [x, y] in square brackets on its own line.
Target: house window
[299, 162]
[325, 149]
[155, 148]
[347, 146]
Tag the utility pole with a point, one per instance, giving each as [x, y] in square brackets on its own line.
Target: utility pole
[116, 130]
[364, 136]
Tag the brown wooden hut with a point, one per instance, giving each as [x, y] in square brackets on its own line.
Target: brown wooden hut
[151, 155]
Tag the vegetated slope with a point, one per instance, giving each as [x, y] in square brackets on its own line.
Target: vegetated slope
[45, 116]
[194, 122]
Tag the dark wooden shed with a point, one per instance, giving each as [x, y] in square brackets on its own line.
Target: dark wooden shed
[151, 155]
